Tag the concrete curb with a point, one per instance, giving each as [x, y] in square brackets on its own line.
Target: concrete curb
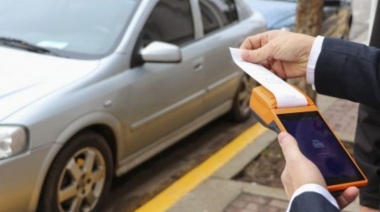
[234, 166]
[183, 189]
[219, 189]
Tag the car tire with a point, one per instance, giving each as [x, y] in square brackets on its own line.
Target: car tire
[241, 110]
[80, 176]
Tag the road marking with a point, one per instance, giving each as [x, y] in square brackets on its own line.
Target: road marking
[167, 198]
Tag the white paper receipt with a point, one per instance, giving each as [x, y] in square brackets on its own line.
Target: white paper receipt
[285, 94]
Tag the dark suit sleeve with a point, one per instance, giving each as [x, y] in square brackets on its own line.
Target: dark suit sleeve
[311, 202]
[349, 70]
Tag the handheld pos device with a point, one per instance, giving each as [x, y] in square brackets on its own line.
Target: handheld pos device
[315, 138]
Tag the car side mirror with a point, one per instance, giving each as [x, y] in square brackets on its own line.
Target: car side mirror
[158, 51]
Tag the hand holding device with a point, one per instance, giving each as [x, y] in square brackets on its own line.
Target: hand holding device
[315, 139]
[294, 175]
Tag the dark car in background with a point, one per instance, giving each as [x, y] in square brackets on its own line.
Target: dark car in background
[281, 14]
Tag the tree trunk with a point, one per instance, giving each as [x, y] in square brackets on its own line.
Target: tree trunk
[309, 17]
[308, 21]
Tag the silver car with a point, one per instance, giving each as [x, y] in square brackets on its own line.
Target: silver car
[90, 89]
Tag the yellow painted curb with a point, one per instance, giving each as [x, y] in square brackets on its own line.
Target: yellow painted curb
[188, 182]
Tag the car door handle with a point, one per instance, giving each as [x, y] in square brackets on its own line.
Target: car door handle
[198, 65]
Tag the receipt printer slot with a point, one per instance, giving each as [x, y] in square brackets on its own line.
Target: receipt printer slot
[264, 107]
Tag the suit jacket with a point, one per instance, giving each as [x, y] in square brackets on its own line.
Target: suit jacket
[311, 202]
[348, 70]
[351, 71]
[345, 70]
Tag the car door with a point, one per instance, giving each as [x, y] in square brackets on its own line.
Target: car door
[165, 97]
[221, 30]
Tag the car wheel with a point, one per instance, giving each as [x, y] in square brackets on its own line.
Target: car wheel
[80, 175]
[240, 109]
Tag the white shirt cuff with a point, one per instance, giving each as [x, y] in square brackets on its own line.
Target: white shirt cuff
[314, 188]
[313, 57]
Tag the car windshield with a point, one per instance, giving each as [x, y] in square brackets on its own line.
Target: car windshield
[71, 28]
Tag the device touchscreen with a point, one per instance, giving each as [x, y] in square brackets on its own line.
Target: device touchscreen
[319, 144]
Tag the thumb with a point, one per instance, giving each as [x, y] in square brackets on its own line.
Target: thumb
[257, 55]
[348, 196]
[289, 147]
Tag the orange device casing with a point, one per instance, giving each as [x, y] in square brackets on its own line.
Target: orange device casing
[264, 106]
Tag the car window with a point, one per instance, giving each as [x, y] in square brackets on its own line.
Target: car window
[171, 21]
[217, 13]
[78, 29]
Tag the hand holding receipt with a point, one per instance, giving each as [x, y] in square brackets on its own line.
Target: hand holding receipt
[285, 94]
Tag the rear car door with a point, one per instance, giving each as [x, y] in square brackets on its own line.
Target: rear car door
[221, 29]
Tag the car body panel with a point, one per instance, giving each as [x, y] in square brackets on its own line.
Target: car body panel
[19, 194]
[41, 75]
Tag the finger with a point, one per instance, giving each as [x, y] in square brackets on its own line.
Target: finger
[347, 197]
[255, 41]
[266, 64]
[279, 69]
[289, 147]
[258, 55]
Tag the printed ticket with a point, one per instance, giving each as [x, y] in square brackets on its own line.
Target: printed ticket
[285, 94]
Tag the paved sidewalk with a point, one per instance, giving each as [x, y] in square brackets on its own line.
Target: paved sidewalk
[340, 114]
[247, 202]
